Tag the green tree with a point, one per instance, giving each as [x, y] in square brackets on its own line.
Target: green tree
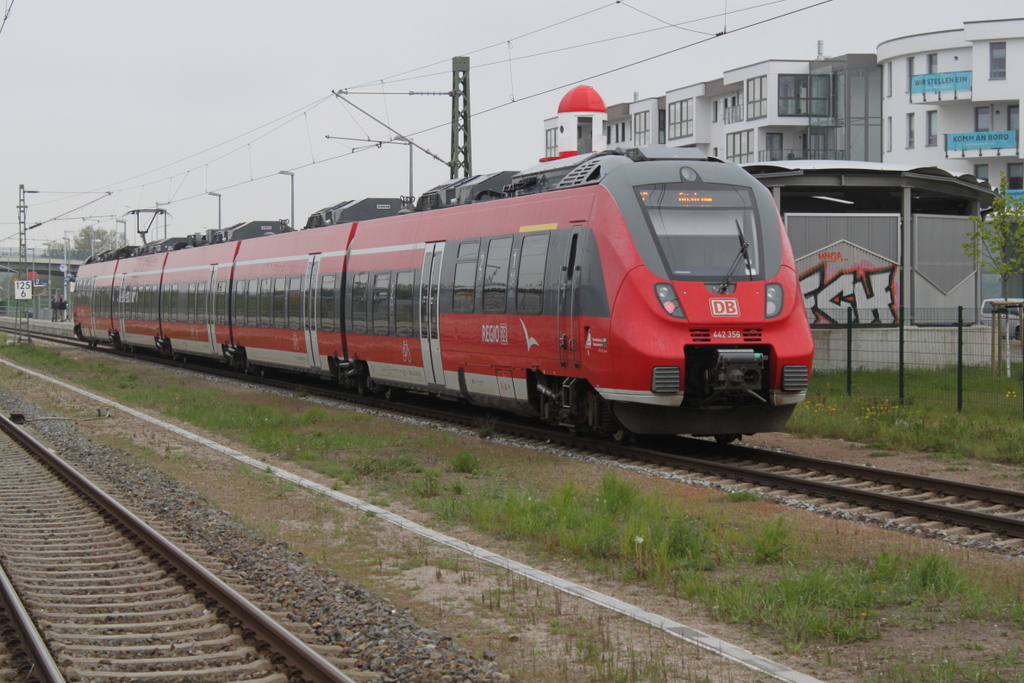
[94, 240]
[997, 243]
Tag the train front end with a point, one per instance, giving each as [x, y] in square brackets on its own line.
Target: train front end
[710, 325]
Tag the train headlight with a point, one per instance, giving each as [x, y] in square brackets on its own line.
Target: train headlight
[772, 300]
[669, 301]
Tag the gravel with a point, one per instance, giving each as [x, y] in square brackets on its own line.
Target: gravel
[368, 628]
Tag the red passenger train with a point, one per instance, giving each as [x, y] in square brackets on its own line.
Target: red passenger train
[651, 291]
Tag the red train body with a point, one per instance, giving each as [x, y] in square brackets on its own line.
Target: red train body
[617, 293]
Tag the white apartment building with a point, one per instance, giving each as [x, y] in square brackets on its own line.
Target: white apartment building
[951, 99]
[826, 108]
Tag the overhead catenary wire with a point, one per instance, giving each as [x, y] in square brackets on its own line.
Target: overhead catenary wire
[304, 111]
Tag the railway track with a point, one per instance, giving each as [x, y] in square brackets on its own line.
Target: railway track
[113, 599]
[977, 514]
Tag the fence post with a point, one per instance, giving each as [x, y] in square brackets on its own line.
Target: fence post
[849, 352]
[959, 358]
[902, 379]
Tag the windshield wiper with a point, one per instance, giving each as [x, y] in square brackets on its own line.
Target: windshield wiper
[743, 254]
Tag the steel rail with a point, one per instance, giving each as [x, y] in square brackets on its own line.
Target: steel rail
[297, 656]
[44, 668]
[900, 505]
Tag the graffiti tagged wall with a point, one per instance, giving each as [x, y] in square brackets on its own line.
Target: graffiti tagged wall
[842, 278]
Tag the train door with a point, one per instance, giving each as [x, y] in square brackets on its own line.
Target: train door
[311, 312]
[430, 306]
[568, 303]
[211, 310]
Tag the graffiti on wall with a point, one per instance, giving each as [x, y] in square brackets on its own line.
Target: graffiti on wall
[843, 278]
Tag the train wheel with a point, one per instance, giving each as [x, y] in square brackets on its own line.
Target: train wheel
[622, 436]
[391, 394]
[727, 438]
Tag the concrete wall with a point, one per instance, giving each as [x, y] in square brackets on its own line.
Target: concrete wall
[924, 347]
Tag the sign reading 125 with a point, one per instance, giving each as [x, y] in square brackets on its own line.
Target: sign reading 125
[22, 289]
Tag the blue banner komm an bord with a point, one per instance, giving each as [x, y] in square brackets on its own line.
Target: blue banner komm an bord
[952, 80]
[992, 139]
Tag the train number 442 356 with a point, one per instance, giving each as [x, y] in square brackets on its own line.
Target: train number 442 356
[726, 334]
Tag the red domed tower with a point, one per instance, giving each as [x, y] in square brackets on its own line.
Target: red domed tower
[579, 126]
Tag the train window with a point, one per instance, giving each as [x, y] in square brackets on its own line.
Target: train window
[294, 303]
[380, 302]
[469, 249]
[464, 291]
[496, 275]
[404, 304]
[190, 307]
[252, 304]
[266, 302]
[238, 307]
[201, 316]
[530, 289]
[221, 303]
[359, 302]
[327, 301]
[279, 300]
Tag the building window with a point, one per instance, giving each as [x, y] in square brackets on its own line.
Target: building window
[910, 71]
[982, 119]
[997, 61]
[792, 94]
[1013, 117]
[641, 128]
[680, 119]
[739, 147]
[888, 134]
[981, 172]
[888, 79]
[932, 124]
[910, 131]
[757, 97]
[1015, 176]
[551, 142]
[714, 111]
[773, 146]
[933, 63]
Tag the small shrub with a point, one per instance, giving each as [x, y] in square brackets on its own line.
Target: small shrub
[465, 462]
[428, 485]
[770, 541]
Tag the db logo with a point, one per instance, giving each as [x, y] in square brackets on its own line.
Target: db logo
[725, 307]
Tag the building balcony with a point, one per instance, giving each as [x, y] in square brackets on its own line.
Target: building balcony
[794, 154]
[733, 114]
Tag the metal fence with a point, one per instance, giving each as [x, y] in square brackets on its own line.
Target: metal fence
[952, 356]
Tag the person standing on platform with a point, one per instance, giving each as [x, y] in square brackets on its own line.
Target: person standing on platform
[62, 310]
[53, 310]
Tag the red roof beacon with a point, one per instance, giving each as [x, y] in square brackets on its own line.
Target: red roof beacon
[579, 126]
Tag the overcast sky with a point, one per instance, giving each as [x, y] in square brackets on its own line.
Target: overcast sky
[160, 101]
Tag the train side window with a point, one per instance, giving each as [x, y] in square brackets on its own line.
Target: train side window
[359, 302]
[266, 302]
[221, 302]
[530, 289]
[191, 306]
[404, 304]
[201, 317]
[496, 275]
[252, 304]
[279, 299]
[469, 250]
[294, 303]
[327, 301]
[238, 301]
[379, 304]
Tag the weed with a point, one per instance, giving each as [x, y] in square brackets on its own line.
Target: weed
[741, 497]
[465, 462]
[770, 541]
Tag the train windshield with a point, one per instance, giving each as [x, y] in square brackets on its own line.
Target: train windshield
[704, 230]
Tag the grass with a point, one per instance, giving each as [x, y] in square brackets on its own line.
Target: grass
[989, 428]
[742, 559]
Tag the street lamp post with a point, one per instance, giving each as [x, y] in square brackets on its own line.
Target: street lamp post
[292, 175]
[217, 195]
